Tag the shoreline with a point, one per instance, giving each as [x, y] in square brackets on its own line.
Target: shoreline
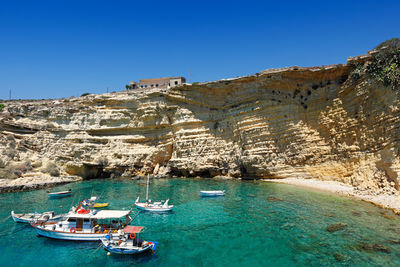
[390, 202]
[29, 184]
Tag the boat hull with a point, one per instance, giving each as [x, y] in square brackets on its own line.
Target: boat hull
[34, 217]
[18, 220]
[100, 205]
[127, 251]
[212, 193]
[69, 236]
[59, 195]
[142, 206]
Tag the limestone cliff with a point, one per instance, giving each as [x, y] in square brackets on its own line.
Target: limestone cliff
[291, 122]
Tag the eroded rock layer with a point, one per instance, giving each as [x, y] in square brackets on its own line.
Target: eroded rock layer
[292, 122]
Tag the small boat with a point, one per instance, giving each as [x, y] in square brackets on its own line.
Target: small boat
[214, 193]
[81, 224]
[100, 205]
[93, 204]
[153, 206]
[59, 194]
[35, 217]
[126, 242]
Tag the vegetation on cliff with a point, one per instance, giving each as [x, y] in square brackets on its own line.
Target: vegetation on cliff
[384, 66]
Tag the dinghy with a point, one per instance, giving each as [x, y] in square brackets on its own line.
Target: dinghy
[125, 242]
[153, 206]
[214, 193]
[35, 217]
[93, 204]
[59, 194]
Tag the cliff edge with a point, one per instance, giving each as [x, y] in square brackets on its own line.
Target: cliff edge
[338, 123]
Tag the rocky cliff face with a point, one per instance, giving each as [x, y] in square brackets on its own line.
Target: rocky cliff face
[292, 122]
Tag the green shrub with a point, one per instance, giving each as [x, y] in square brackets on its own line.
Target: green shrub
[2, 106]
[85, 94]
[385, 65]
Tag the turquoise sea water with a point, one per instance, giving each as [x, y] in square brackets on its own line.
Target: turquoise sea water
[243, 228]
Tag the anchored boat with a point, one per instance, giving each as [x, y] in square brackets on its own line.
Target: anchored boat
[153, 206]
[93, 204]
[59, 194]
[35, 217]
[85, 225]
[126, 242]
[214, 193]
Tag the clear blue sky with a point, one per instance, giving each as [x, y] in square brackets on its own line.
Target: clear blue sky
[52, 49]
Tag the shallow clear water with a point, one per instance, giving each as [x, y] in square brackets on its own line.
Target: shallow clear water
[241, 228]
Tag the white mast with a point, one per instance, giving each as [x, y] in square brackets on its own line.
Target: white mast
[147, 188]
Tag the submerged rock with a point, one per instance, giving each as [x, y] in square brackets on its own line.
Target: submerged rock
[336, 227]
[340, 257]
[356, 213]
[375, 247]
[274, 199]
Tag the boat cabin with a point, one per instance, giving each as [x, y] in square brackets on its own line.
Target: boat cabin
[94, 221]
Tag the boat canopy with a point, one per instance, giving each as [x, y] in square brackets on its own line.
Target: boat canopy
[102, 214]
[133, 229]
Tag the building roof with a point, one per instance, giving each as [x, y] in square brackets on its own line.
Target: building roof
[162, 78]
[101, 214]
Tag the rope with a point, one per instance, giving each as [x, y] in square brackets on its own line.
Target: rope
[5, 219]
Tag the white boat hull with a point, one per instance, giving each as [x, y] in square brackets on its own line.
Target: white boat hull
[34, 217]
[146, 207]
[69, 236]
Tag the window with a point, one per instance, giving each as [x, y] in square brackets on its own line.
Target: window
[145, 86]
[157, 85]
[86, 220]
[71, 220]
[176, 82]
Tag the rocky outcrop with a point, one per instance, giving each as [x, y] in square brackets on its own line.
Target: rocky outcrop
[291, 122]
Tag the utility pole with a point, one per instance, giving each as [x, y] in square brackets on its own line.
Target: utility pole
[10, 94]
[189, 76]
[107, 90]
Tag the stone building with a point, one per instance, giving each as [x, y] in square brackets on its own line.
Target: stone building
[163, 83]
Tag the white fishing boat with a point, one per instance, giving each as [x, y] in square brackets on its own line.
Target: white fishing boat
[59, 194]
[85, 225]
[35, 217]
[160, 206]
[127, 243]
[214, 193]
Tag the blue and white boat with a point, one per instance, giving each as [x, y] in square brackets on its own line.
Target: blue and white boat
[59, 194]
[214, 193]
[127, 243]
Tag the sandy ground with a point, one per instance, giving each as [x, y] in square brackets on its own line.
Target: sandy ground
[391, 202]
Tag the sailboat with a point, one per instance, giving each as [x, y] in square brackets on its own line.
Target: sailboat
[153, 206]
